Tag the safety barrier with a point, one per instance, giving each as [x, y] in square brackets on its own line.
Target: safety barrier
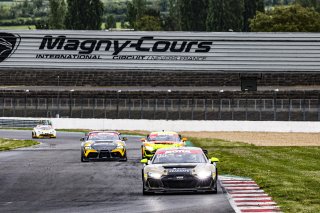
[150, 125]
[21, 123]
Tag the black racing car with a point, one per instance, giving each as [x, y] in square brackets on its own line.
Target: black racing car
[179, 169]
[103, 145]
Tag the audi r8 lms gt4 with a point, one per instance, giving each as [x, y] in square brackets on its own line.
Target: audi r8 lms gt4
[103, 145]
[44, 131]
[184, 169]
[157, 140]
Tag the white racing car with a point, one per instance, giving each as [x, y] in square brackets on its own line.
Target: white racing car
[44, 131]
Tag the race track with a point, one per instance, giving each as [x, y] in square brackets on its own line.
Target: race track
[50, 178]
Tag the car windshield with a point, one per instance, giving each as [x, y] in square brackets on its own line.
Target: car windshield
[179, 156]
[44, 127]
[103, 136]
[163, 137]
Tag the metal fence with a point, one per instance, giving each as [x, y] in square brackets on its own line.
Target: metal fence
[20, 123]
[169, 109]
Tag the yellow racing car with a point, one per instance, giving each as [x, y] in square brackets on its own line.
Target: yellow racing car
[99, 145]
[157, 140]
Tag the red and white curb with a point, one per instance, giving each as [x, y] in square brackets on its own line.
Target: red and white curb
[246, 196]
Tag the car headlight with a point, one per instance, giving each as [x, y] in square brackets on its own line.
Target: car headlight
[149, 148]
[154, 175]
[88, 148]
[120, 146]
[204, 174]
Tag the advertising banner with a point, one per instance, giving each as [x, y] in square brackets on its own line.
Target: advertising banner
[131, 50]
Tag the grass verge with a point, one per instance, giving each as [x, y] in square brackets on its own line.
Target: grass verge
[290, 175]
[18, 27]
[8, 144]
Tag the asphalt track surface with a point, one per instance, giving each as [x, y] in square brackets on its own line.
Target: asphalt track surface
[50, 178]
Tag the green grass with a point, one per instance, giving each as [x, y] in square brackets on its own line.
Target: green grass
[20, 27]
[8, 144]
[290, 175]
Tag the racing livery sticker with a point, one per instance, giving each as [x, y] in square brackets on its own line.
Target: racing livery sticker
[8, 44]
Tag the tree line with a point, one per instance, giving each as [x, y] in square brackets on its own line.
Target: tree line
[172, 15]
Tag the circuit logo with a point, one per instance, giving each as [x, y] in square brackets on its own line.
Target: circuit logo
[8, 45]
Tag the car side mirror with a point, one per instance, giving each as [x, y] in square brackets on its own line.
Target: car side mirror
[184, 139]
[142, 139]
[124, 139]
[81, 139]
[145, 161]
[214, 160]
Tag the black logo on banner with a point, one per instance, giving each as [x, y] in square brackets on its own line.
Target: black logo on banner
[8, 45]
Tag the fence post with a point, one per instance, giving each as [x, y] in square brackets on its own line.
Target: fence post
[3, 104]
[154, 106]
[70, 103]
[166, 103]
[275, 104]
[179, 107]
[246, 108]
[319, 106]
[37, 105]
[141, 106]
[304, 106]
[289, 107]
[232, 106]
[118, 93]
[205, 108]
[93, 106]
[192, 106]
[219, 102]
[105, 105]
[81, 107]
[129, 107]
[25, 102]
[14, 106]
[260, 108]
[58, 97]
[47, 106]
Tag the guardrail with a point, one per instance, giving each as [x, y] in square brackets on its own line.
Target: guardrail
[21, 123]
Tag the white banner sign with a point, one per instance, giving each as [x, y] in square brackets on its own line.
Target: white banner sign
[233, 52]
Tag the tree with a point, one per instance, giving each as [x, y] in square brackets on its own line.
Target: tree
[138, 13]
[192, 14]
[111, 22]
[135, 10]
[310, 3]
[148, 23]
[57, 13]
[84, 15]
[293, 18]
[250, 10]
[225, 15]
[38, 4]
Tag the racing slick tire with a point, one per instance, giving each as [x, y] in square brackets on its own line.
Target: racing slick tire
[83, 158]
[215, 186]
[124, 158]
[33, 135]
[144, 191]
[142, 153]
